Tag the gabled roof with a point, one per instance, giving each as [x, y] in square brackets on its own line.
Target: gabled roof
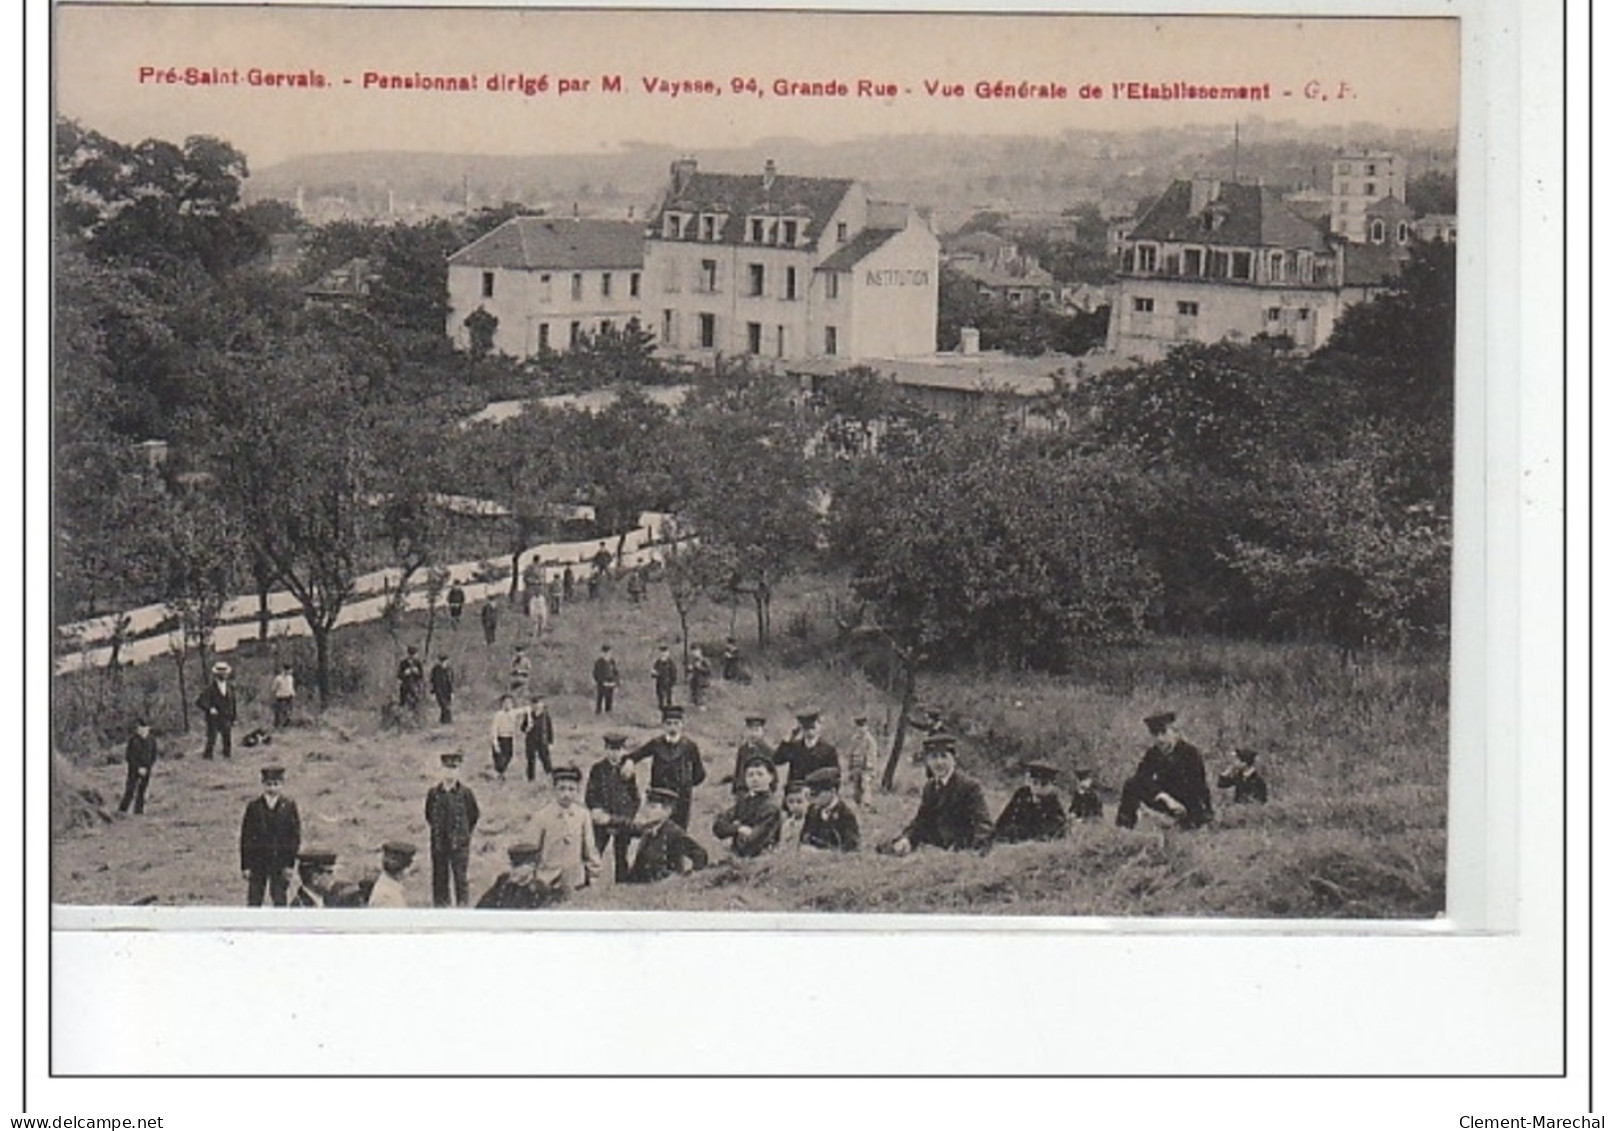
[1032, 276]
[1369, 265]
[532, 242]
[1252, 216]
[1390, 208]
[847, 256]
[738, 195]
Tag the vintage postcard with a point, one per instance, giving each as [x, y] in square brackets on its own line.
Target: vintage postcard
[520, 468]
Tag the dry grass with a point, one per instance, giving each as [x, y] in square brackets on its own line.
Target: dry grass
[1356, 762]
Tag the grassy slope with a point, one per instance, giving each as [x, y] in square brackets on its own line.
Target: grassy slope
[1357, 765]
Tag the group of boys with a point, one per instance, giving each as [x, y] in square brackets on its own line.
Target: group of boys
[650, 840]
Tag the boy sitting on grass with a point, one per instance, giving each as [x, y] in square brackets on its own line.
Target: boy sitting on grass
[1034, 812]
[791, 821]
[752, 823]
[1244, 779]
[665, 849]
[830, 824]
[1085, 803]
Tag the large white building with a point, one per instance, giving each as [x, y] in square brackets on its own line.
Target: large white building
[778, 266]
[548, 281]
[1213, 260]
[1358, 181]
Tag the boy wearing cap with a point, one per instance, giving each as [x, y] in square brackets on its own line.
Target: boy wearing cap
[675, 765]
[753, 821]
[271, 834]
[830, 824]
[1171, 779]
[794, 818]
[452, 815]
[953, 809]
[1034, 812]
[613, 801]
[507, 723]
[443, 689]
[283, 689]
[217, 702]
[664, 672]
[752, 745]
[140, 755]
[522, 888]
[606, 677]
[862, 753]
[1242, 777]
[540, 736]
[568, 858]
[410, 678]
[1085, 802]
[806, 751]
[665, 849]
[317, 885]
[388, 891]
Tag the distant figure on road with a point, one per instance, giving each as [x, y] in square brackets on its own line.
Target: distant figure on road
[606, 677]
[664, 671]
[665, 849]
[953, 810]
[139, 756]
[1244, 779]
[456, 600]
[283, 690]
[568, 583]
[554, 591]
[452, 815]
[217, 702]
[1171, 778]
[636, 586]
[601, 561]
[1034, 812]
[411, 677]
[271, 834]
[490, 621]
[443, 689]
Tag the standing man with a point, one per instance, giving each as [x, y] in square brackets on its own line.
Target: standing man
[284, 691]
[140, 755]
[700, 675]
[1171, 778]
[602, 566]
[271, 834]
[953, 809]
[863, 752]
[456, 601]
[731, 659]
[612, 799]
[540, 737]
[410, 678]
[752, 745]
[443, 689]
[490, 621]
[218, 706]
[665, 671]
[451, 814]
[605, 680]
[675, 763]
[806, 751]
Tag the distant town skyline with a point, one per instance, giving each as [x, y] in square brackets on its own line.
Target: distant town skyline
[136, 72]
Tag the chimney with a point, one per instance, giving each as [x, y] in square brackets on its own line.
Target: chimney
[1202, 191]
[969, 340]
[683, 169]
[768, 174]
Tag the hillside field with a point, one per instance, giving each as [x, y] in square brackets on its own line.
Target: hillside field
[1356, 761]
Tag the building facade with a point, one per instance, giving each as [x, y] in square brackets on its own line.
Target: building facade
[548, 282]
[1214, 260]
[1359, 180]
[775, 266]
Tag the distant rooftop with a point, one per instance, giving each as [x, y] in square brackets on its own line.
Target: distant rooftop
[561, 244]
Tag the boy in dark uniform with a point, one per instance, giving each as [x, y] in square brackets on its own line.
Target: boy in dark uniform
[830, 823]
[540, 737]
[410, 678]
[1243, 777]
[317, 885]
[456, 601]
[452, 815]
[443, 689]
[1034, 812]
[140, 755]
[613, 802]
[806, 751]
[605, 680]
[675, 763]
[1085, 803]
[751, 745]
[753, 821]
[665, 849]
[731, 659]
[665, 674]
[271, 834]
[521, 888]
[953, 809]
[1171, 779]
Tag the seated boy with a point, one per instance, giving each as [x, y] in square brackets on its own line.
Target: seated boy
[1246, 781]
[753, 821]
[791, 821]
[1034, 812]
[1085, 803]
[664, 848]
[522, 887]
[830, 823]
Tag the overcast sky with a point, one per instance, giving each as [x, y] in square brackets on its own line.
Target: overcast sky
[1400, 72]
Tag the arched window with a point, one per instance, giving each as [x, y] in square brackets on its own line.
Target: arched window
[1402, 232]
[1376, 231]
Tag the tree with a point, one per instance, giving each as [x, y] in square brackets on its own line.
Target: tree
[201, 548]
[1434, 191]
[481, 328]
[693, 569]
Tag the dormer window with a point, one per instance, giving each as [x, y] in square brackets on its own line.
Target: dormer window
[1146, 257]
[787, 233]
[672, 226]
[709, 228]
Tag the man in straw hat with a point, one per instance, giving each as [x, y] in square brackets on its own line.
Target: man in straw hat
[217, 702]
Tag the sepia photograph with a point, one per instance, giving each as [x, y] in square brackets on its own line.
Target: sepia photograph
[828, 464]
